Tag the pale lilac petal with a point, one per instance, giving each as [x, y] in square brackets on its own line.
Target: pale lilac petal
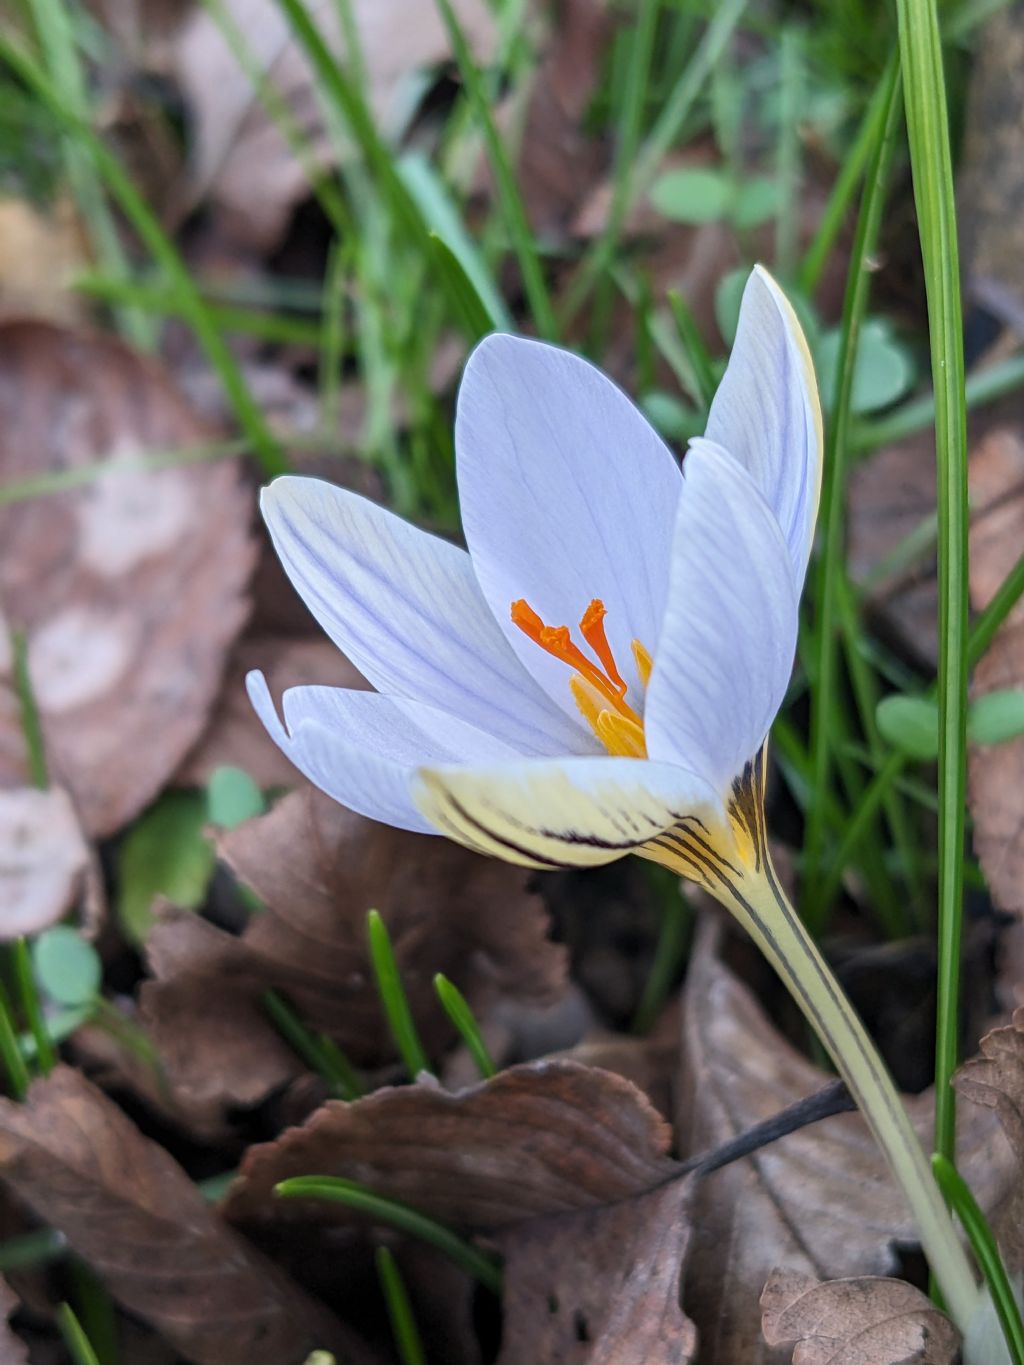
[766, 412]
[406, 609]
[362, 749]
[567, 494]
[726, 650]
[573, 812]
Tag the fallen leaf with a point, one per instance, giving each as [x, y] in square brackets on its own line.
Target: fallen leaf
[44, 859]
[864, 1321]
[995, 773]
[543, 1138]
[130, 1211]
[241, 161]
[820, 1202]
[994, 1080]
[600, 1287]
[130, 588]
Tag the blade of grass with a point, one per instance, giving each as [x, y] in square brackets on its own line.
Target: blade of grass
[18, 1078]
[791, 94]
[830, 563]
[400, 1216]
[986, 1252]
[400, 1314]
[454, 1004]
[510, 201]
[31, 725]
[164, 252]
[28, 994]
[79, 1347]
[323, 1056]
[670, 950]
[332, 338]
[60, 53]
[61, 480]
[932, 169]
[393, 997]
[271, 327]
[696, 347]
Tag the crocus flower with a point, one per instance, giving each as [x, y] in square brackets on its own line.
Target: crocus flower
[597, 674]
[500, 721]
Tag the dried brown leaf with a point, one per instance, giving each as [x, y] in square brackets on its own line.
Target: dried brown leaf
[995, 773]
[44, 860]
[537, 1139]
[820, 1202]
[995, 1080]
[40, 254]
[131, 587]
[241, 160]
[862, 1321]
[127, 1208]
[600, 1287]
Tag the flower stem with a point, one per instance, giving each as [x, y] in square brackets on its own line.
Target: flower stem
[758, 902]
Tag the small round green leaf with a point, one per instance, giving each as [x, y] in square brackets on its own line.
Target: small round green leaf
[693, 194]
[884, 371]
[232, 797]
[910, 724]
[996, 717]
[67, 968]
[756, 200]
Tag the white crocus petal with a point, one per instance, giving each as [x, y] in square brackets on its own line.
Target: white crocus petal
[567, 494]
[406, 609]
[362, 749]
[725, 653]
[766, 412]
[573, 812]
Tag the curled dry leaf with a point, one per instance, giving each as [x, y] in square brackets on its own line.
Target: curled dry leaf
[600, 1287]
[863, 1321]
[130, 1211]
[819, 1202]
[131, 587]
[44, 859]
[241, 160]
[995, 774]
[995, 1080]
[538, 1139]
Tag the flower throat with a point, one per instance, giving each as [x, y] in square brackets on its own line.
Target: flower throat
[598, 689]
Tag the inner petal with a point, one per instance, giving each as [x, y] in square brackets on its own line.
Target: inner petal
[598, 689]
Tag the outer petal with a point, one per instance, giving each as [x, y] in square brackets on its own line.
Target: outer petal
[567, 494]
[766, 412]
[407, 610]
[726, 649]
[362, 749]
[574, 812]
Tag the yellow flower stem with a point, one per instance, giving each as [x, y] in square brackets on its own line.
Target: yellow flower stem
[758, 902]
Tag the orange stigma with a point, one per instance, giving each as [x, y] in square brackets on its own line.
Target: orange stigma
[598, 688]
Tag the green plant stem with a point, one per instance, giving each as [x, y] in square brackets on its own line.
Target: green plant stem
[986, 1252]
[78, 1344]
[28, 993]
[830, 563]
[403, 1324]
[319, 1053]
[756, 899]
[31, 725]
[393, 997]
[669, 953]
[455, 1005]
[389, 1211]
[18, 1078]
[932, 168]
